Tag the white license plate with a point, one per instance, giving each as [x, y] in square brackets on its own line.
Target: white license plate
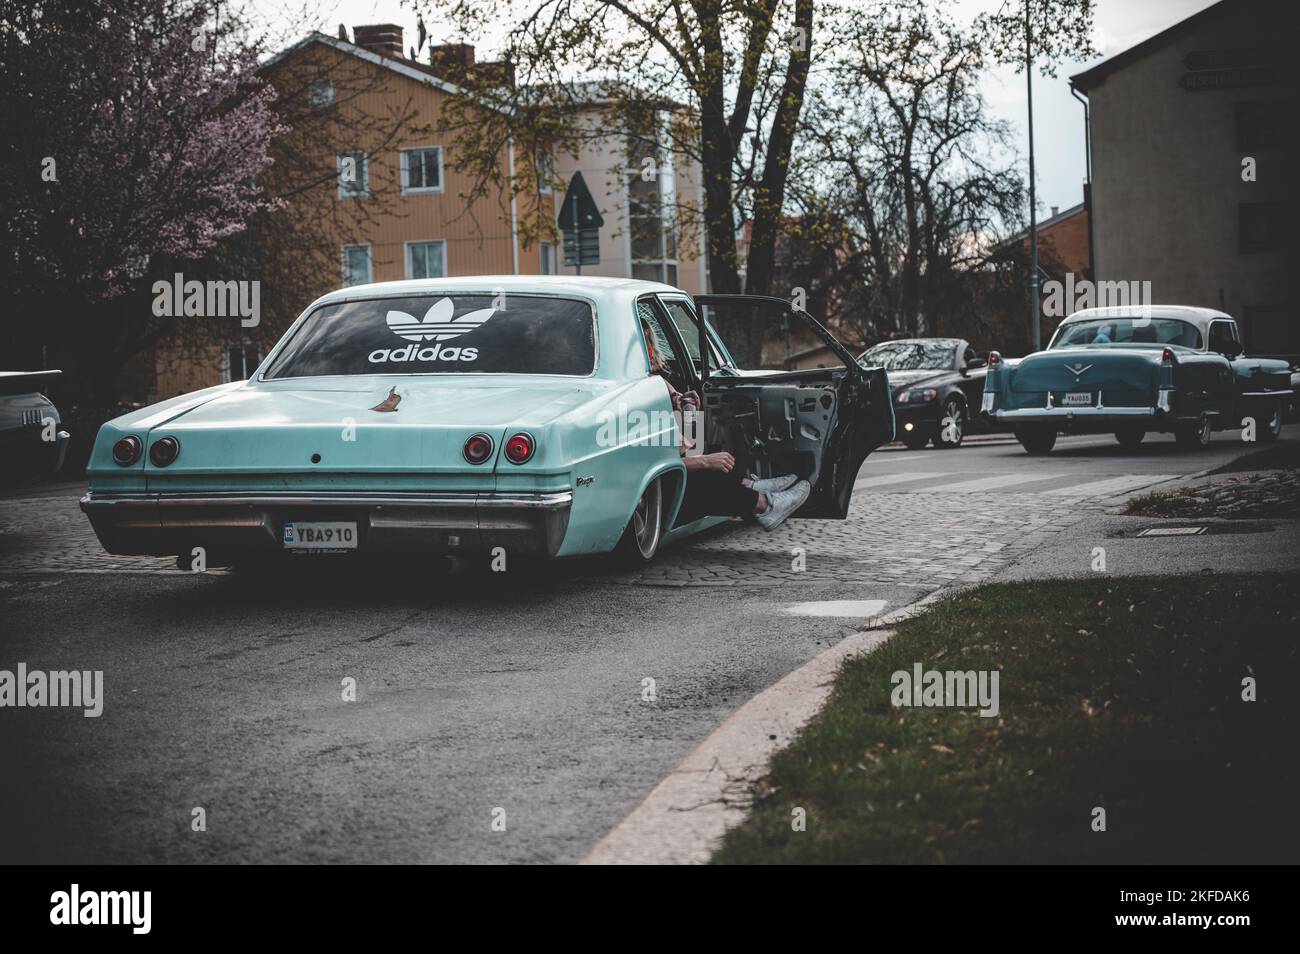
[313, 535]
[1076, 398]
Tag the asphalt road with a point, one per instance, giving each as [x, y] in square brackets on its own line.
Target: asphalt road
[520, 692]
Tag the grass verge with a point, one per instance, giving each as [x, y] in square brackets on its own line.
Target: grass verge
[1263, 495]
[1120, 694]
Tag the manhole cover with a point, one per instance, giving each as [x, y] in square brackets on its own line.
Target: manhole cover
[1213, 529]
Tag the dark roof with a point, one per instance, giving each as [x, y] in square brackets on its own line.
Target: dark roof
[412, 69]
[1095, 76]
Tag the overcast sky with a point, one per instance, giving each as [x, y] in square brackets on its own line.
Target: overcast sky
[1058, 117]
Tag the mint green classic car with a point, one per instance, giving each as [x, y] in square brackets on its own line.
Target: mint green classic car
[461, 415]
[1130, 371]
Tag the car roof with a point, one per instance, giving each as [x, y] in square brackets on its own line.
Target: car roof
[1200, 318]
[582, 285]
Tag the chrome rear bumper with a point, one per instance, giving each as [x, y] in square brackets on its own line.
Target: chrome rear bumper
[1069, 413]
[527, 524]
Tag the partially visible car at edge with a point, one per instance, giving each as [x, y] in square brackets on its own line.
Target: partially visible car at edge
[32, 445]
[1133, 371]
[937, 385]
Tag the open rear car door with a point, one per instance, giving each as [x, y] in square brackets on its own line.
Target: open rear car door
[818, 423]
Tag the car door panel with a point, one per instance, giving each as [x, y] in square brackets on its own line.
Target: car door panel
[818, 423]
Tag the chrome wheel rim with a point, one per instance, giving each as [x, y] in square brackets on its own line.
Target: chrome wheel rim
[1203, 435]
[1275, 422]
[952, 414]
[646, 521]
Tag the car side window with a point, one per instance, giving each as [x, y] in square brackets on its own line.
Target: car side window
[683, 318]
[659, 344]
[686, 327]
[1223, 337]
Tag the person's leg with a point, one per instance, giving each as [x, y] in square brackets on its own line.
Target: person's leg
[713, 493]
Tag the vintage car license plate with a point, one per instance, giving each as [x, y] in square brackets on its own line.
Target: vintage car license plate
[313, 535]
[1077, 398]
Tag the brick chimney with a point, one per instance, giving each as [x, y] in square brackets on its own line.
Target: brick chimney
[453, 57]
[382, 38]
[455, 62]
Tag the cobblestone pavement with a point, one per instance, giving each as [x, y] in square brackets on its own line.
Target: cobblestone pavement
[921, 538]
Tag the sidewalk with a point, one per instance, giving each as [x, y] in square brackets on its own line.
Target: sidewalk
[1222, 545]
[715, 789]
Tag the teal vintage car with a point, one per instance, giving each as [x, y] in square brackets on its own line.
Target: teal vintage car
[1164, 368]
[461, 415]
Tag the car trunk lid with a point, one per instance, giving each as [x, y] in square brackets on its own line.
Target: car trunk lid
[394, 432]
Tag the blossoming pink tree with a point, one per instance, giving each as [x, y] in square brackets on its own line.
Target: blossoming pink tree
[132, 133]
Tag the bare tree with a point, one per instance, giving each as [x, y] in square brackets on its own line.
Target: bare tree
[902, 147]
[731, 77]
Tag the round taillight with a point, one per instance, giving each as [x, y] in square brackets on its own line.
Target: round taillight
[995, 358]
[478, 448]
[164, 451]
[126, 451]
[1167, 356]
[519, 449]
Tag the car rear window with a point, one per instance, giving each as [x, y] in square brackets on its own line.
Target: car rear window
[443, 334]
[1152, 331]
[936, 353]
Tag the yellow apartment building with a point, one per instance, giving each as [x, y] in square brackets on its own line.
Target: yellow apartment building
[395, 207]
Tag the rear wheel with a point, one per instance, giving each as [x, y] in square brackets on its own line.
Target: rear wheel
[1037, 438]
[1270, 428]
[1196, 435]
[1130, 437]
[952, 425]
[640, 541]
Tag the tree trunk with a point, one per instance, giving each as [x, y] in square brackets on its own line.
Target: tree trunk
[769, 196]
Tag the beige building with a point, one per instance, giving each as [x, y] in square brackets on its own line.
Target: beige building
[1193, 153]
[649, 199]
[398, 208]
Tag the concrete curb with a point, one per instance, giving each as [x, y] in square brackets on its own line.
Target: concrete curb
[682, 820]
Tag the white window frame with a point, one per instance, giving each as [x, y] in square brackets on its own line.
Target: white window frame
[343, 264]
[666, 186]
[545, 171]
[408, 263]
[404, 170]
[543, 248]
[364, 169]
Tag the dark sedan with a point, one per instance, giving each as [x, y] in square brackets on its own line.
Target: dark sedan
[937, 385]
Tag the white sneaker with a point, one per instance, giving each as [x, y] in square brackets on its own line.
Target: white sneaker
[770, 485]
[783, 503]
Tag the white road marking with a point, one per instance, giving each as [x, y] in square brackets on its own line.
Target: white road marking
[857, 609]
[884, 479]
[1116, 485]
[989, 483]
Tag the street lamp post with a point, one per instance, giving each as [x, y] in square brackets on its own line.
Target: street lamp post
[1033, 218]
